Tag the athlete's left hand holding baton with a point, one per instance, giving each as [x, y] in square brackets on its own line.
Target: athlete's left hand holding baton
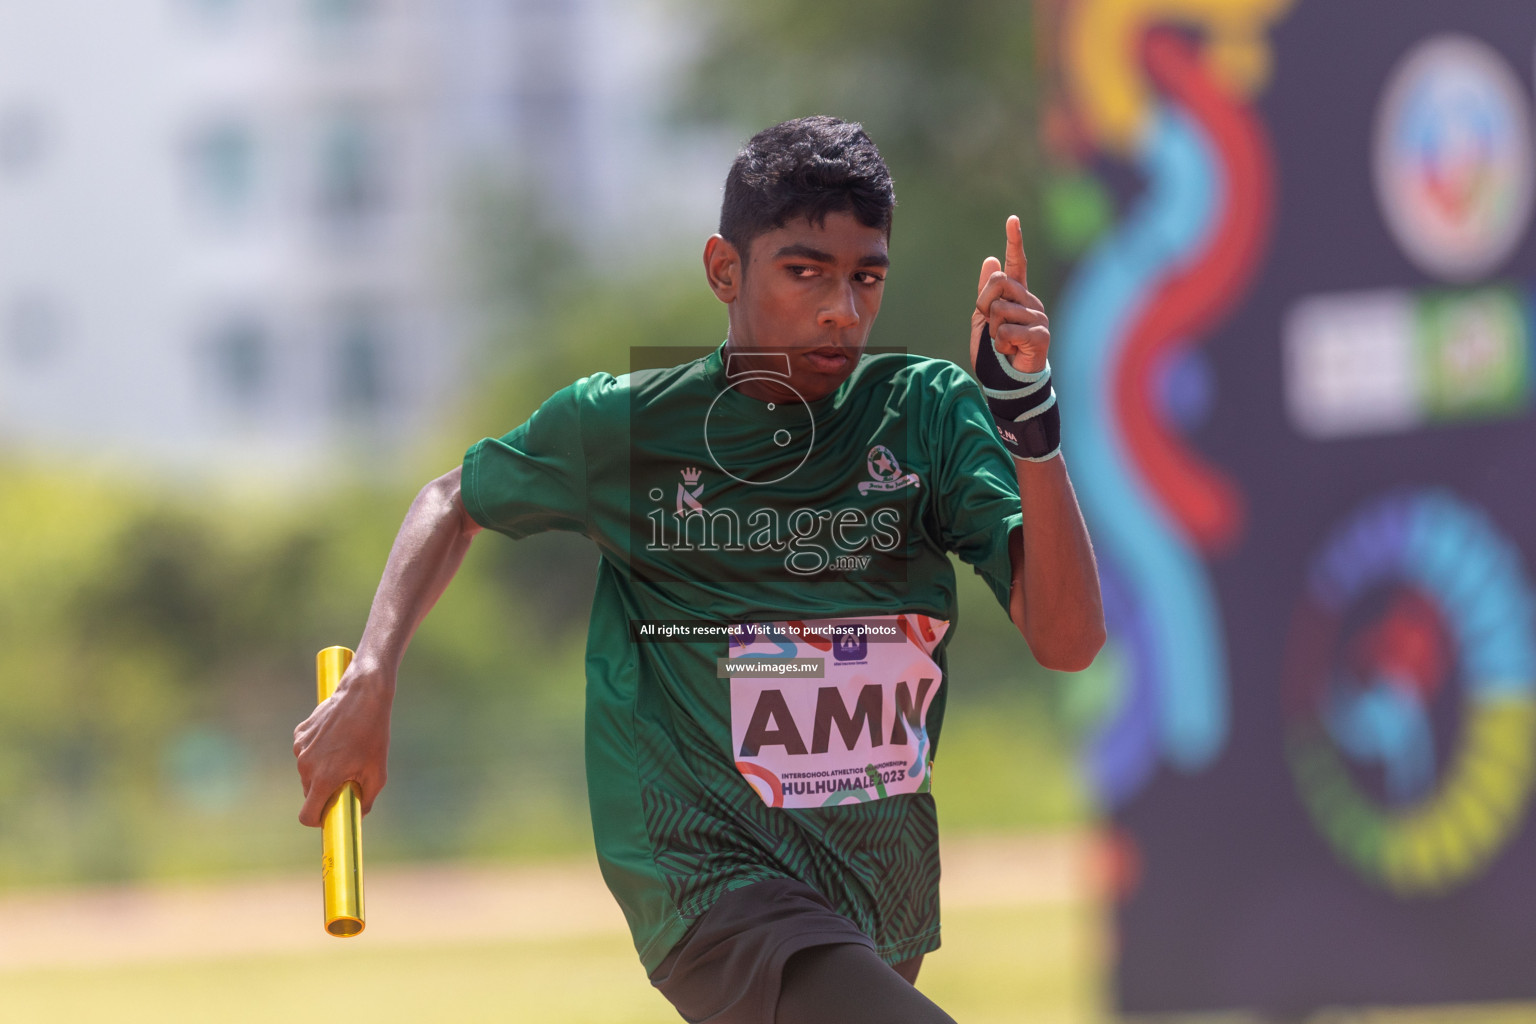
[346, 738]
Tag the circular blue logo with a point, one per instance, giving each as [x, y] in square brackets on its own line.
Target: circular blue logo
[1453, 161]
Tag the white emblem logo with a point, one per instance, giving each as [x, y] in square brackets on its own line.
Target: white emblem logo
[886, 472]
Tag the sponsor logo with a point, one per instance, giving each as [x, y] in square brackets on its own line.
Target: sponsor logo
[1384, 362]
[1453, 161]
[689, 491]
[850, 647]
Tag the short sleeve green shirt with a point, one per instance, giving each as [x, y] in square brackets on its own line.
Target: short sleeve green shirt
[826, 524]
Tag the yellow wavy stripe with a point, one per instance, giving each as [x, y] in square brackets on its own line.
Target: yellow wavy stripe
[1104, 73]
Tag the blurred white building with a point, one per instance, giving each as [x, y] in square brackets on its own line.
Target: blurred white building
[232, 231]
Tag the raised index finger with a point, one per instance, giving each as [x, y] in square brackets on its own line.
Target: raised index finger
[1015, 264]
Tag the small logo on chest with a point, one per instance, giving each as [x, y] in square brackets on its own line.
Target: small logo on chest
[885, 472]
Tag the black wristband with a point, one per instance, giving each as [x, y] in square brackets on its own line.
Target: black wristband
[1036, 439]
[1023, 405]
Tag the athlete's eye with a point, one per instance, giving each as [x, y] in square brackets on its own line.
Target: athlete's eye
[800, 270]
[868, 277]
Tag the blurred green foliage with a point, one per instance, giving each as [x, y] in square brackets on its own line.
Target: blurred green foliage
[1036, 963]
[156, 645]
[159, 650]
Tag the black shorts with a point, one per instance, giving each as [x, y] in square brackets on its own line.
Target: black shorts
[727, 967]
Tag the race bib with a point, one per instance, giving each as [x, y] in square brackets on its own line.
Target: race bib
[833, 711]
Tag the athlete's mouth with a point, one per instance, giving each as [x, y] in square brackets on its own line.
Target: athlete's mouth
[828, 359]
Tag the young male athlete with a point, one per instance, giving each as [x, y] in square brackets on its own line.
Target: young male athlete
[760, 789]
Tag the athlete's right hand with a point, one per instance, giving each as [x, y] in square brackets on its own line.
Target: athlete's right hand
[1020, 330]
[346, 739]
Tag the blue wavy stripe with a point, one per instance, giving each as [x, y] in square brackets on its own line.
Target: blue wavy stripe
[1125, 751]
[1165, 575]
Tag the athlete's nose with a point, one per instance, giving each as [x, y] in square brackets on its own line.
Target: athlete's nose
[840, 311]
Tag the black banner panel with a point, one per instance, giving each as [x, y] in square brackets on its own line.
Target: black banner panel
[1295, 361]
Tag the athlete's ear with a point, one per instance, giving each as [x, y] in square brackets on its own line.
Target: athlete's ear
[722, 265]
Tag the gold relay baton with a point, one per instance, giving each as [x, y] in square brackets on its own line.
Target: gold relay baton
[341, 825]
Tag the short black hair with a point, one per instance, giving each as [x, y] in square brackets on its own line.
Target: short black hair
[808, 167]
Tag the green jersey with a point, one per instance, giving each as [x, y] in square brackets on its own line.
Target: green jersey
[766, 654]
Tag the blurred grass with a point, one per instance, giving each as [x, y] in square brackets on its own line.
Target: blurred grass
[1032, 964]
[1017, 965]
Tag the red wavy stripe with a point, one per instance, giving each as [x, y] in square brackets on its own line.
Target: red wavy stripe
[1194, 298]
